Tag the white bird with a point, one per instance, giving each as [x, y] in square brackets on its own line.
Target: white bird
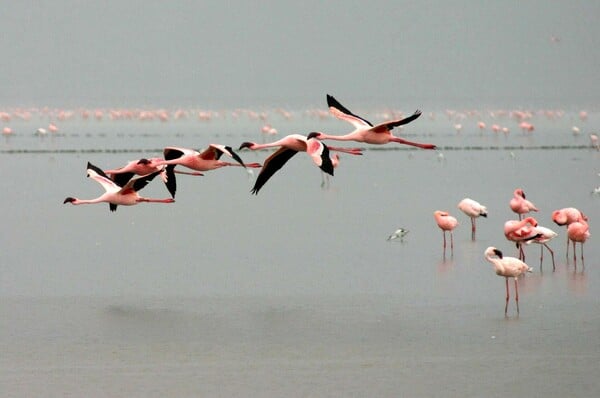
[508, 267]
[398, 234]
[473, 210]
[544, 235]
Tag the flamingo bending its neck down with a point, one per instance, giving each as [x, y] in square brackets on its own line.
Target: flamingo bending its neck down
[544, 235]
[207, 160]
[446, 223]
[126, 195]
[288, 147]
[521, 231]
[365, 131]
[578, 231]
[473, 210]
[567, 216]
[508, 267]
[520, 205]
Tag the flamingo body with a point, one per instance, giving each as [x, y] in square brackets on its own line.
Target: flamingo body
[520, 205]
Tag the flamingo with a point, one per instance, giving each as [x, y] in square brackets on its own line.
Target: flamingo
[288, 147]
[446, 223]
[365, 131]
[578, 231]
[508, 267]
[520, 205]
[472, 209]
[521, 231]
[566, 216]
[544, 235]
[126, 195]
[139, 167]
[199, 161]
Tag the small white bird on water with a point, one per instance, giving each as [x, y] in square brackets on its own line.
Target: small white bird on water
[398, 234]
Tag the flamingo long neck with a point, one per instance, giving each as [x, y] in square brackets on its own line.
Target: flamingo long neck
[88, 201]
[345, 137]
[150, 200]
[497, 263]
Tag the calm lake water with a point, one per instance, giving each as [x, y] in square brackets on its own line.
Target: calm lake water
[296, 291]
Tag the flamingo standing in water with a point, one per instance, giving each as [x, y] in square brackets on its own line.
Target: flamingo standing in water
[508, 267]
[544, 235]
[473, 210]
[365, 131]
[521, 231]
[520, 205]
[567, 216]
[126, 195]
[209, 159]
[578, 231]
[446, 223]
[288, 147]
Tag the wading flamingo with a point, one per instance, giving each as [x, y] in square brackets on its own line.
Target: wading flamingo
[567, 216]
[508, 267]
[446, 223]
[521, 231]
[578, 231]
[544, 235]
[472, 209]
[209, 159]
[288, 147]
[115, 195]
[520, 205]
[365, 131]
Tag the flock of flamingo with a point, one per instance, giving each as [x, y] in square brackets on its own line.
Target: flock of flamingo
[523, 231]
[122, 185]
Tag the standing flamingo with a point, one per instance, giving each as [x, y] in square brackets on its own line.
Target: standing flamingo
[365, 131]
[544, 235]
[578, 231]
[288, 147]
[472, 209]
[521, 231]
[508, 267]
[209, 159]
[520, 205]
[567, 216]
[115, 194]
[446, 223]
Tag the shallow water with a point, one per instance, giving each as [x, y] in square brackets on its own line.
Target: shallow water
[295, 291]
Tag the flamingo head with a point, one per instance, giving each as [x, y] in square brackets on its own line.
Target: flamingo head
[314, 134]
[69, 200]
[519, 192]
[492, 251]
[247, 144]
[144, 161]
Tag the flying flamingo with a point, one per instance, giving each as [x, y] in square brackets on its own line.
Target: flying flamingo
[544, 235]
[115, 194]
[288, 147]
[508, 267]
[520, 205]
[365, 131]
[567, 216]
[139, 167]
[521, 231]
[199, 161]
[578, 231]
[446, 223]
[335, 162]
[473, 209]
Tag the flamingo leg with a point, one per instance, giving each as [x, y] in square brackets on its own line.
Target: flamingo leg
[451, 242]
[516, 293]
[507, 297]
[472, 229]
[567, 248]
[574, 255]
[444, 234]
[552, 254]
[582, 263]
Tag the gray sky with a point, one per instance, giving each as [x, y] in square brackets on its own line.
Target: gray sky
[414, 54]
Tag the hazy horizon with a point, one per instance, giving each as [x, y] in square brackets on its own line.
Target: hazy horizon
[411, 54]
